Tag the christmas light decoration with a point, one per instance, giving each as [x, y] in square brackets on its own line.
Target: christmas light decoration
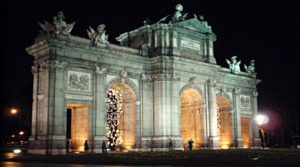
[114, 110]
[219, 125]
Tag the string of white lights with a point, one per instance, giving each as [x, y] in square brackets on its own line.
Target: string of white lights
[114, 111]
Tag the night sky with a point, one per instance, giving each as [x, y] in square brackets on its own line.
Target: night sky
[266, 31]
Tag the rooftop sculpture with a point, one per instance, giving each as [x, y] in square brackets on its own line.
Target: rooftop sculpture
[178, 15]
[58, 26]
[251, 68]
[98, 36]
[234, 66]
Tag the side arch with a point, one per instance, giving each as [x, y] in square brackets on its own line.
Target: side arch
[127, 81]
[128, 120]
[192, 116]
[197, 88]
[226, 95]
[225, 121]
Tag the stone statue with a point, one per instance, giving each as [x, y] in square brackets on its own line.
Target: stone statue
[98, 36]
[178, 15]
[59, 26]
[179, 9]
[234, 66]
[251, 68]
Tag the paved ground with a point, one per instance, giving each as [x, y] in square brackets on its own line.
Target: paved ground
[270, 157]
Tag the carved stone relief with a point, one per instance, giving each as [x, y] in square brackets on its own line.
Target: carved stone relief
[79, 81]
[245, 101]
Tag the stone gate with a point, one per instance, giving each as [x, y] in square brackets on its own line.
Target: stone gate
[171, 87]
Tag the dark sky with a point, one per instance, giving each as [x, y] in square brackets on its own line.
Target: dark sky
[266, 31]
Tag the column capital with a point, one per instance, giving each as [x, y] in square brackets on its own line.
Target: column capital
[57, 64]
[212, 83]
[237, 91]
[145, 77]
[43, 66]
[100, 70]
[51, 64]
[255, 93]
[166, 77]
[222, 90]
[34, 69]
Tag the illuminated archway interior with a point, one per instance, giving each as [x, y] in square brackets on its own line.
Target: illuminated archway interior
[246, 131]
[225, 122]
[127, 119]
[79, 125]
[192, 126]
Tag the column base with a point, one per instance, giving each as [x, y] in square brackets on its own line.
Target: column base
[97, 144]
[161, 143]
[239, 143]
[52, 145]
[256, 143]
[214, 142]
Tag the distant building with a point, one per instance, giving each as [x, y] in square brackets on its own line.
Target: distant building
[162, 84]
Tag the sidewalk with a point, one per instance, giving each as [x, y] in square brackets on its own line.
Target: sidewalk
[277, 157]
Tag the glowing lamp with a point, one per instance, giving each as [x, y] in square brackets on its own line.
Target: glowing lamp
[261, 119]
[13, 111]
[21, 133]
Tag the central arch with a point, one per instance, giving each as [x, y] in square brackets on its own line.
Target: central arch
[225, 122]
[127, 119]
[192, 117]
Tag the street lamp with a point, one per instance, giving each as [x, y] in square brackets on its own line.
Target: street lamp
[261, 120]
[13, 111]
[21, 133]
[18, 113]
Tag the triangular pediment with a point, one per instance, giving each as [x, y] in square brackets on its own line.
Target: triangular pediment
[195, 25]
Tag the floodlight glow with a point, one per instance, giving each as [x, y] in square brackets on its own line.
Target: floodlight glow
[261, 119]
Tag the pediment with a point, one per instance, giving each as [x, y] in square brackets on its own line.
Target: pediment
[195, 25]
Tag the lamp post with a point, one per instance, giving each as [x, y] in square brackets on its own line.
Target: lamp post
[18, 113]
[261, 120]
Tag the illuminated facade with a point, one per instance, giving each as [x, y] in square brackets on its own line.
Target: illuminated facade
[168, 84]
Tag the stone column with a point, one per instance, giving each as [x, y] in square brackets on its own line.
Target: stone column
[34, 70]
[57, 108]
[237, 119]
[146, 98]
[166, 112]
[138, 125]
[214, 141]
[39, 144]
[256, 142]
[210, 51]
[100, 109]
